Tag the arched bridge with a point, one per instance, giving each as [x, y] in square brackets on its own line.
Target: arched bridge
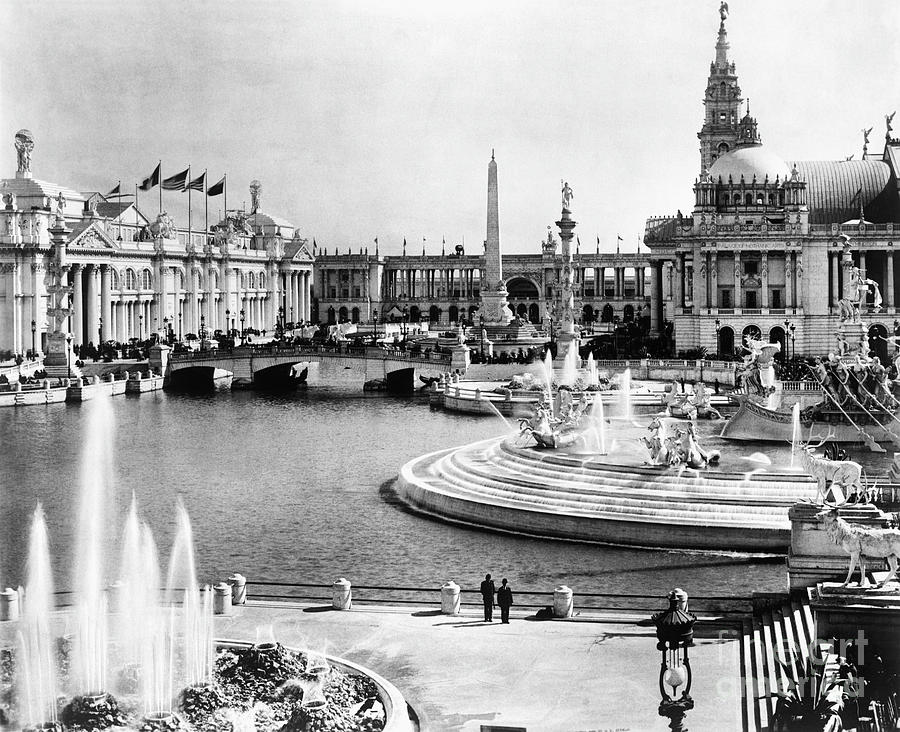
[269, 364]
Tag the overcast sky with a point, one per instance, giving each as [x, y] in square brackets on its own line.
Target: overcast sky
[365, 119]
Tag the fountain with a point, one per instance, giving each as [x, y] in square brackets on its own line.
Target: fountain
[142, 656]
[625, 395]
[593, 375]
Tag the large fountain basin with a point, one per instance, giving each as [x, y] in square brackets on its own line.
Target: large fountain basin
[500, 485]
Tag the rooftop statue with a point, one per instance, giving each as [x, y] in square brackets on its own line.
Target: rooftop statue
[255, 195]
[723, 10]
[24, 146]
[60, 207]
[567, 195]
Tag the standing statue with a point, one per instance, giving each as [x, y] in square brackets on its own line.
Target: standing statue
[888, 118]
[24, 146]
[567, 195]
[60, 207]
[723, 11]
[255, 195]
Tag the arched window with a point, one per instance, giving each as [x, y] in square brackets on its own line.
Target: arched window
[342, 314]
[130, 279]
[146, 279]
[354, 315]
[748, 199]
[415, 315]
[251, 281]
[179, 280]
[607, 314]
[113, 278]
[877, 342]
[331, 318]
[751, 332]
[760, 199]
[522, 310]
[776, 335]
[628, 313]
[434, 314]
[213, 280]
[725, 199]
[473, 311]
[534, 313]
[723, 148]
[587, 313]
[262, 282]
[772, 199]
[453, 314]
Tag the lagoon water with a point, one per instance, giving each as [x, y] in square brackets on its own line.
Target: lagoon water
[296, 487]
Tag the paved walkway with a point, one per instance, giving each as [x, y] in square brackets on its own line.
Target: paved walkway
[459, 673]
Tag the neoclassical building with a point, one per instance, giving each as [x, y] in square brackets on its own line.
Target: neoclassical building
[130, 276]
[759, 252]
[446, 288]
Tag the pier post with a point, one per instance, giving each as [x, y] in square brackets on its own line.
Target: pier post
[341, 594]
[222, 599]
[9, 604]
[562, 602]
[238, 589]
[450, 598]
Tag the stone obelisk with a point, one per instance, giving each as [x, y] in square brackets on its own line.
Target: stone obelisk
[494, 308]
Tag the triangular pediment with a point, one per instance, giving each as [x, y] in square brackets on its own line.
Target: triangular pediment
[93, 236]
[303, 253]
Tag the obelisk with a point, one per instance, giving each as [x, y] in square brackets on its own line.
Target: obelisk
[494, 310]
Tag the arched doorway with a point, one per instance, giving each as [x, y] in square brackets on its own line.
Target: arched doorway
[606, 316]
[342, 314]
[751, 332]
[628, 313]
[473, 311]
[534, 313]
[354, 315]
[877, 345]
[522, 310]
[776, 335]
[726, 341]
[453, 313]
[434, 314]
[331, 316]
[518, 288]
[587, 314]
[415, 314]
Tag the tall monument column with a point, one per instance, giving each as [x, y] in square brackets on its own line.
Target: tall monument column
[567, 336]
[494, 308]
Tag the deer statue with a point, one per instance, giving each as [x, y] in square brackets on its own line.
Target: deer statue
[860, 543]
[844, 472]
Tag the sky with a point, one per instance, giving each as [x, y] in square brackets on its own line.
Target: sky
[377, 119]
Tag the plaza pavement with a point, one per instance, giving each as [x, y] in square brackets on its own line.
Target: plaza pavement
[458, 672]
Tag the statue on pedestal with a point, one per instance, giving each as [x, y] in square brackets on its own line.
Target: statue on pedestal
[24, 145]
[567, 195]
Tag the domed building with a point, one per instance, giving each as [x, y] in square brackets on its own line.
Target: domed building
[759, 253]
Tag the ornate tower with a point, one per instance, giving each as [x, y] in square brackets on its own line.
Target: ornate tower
[494, 308]
[567, 333]
[722, 103]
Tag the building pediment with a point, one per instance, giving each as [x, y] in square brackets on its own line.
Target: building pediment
[302, 253]
[93, 236]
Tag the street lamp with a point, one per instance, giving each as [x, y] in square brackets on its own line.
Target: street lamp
[34, 328]
[793, 346]
[141, 326]
[242, 326]
[280, 324]
[228, 322]
[718, 328]
[481, 334]
[788, 328]
[100, 332]
[69, 354]
[675, 634]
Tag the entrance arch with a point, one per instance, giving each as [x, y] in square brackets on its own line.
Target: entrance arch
[751, 331]
[434, 314]
[776, 335]
[534, 313]
[587, 314]
[726, 341]
[453, 314]
[342, 314]
[519, 288]
[877, 345]
[414, 314]
[628, 313]
[607, 315]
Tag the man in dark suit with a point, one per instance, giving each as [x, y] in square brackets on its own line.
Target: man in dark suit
[505, 601]
[487, 594]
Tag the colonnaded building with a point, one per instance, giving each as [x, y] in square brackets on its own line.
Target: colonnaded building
[132, 276]
[759, 253]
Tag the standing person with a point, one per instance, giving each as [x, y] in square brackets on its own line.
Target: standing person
[487, 595]
[504, 600]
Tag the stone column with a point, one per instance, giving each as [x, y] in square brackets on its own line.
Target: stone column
[36, 295]
[307, 295]
[889, 280]
[788, 280]
[289, 296]
[835, 261]
[738, 288]
[121, 334]
[862, 263]
[299, 300]
[93, 305]
[655, 296]
[77, 327]
[678, 296]
[105, 301]
[764, 277]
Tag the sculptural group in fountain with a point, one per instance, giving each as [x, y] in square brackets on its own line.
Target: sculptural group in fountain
[670, 444]
[690, 405]
[556, 425]
[758, 369]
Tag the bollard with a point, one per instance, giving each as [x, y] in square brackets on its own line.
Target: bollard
[95, 379]
[18, 386]
[127, 376]
[341, 595]
[562, 602]
[9, 604]
[450, 598]
[222, 599]
[46, 384]
[238, 589]
[478, 395]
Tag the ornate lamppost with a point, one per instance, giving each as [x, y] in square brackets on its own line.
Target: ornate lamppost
[481, 334]
[718, 346]
[787, 333]
[793, 345]
[228, 324]
[34, 348]
[279, 326]
[100, 333]
[243, 315]
[69, 354]
[141, 326]
[675, 634]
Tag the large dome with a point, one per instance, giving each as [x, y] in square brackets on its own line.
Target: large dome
[748, 162]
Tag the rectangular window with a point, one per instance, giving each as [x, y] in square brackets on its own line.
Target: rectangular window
[356, 292]
[776, 299]
[332, 292]
[725, 297]
[751, 267]
[751, 298]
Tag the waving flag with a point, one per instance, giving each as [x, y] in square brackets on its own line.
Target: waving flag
[217, 189]
[197, 183]
[152, 180]
[176, 182]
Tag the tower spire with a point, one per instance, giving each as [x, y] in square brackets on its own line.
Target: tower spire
[722, 44]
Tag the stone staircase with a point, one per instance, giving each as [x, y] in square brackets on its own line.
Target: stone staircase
[630, 504]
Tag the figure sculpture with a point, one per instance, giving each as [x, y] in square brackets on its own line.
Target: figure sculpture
[60, 207]
[567, 195]
[24, 146]
[860, 543]
[255, 195]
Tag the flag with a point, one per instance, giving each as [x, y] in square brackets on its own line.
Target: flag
[619, 238]
[197, 183]
[117, 192]
[376, 241]
[218, 189]
[176, 182]
[152, 180]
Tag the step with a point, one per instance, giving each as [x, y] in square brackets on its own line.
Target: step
[758, 692]
[775, 642]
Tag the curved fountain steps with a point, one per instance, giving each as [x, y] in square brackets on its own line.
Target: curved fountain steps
[495, 485]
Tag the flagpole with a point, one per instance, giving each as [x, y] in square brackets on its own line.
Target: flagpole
[160, 185]
[136, 222]
[205, 208]
[188, 179]
[225, 194]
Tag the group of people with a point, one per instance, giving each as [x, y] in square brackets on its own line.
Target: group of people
[493, 596]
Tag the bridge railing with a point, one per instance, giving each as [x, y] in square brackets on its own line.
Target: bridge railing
[331, 351]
